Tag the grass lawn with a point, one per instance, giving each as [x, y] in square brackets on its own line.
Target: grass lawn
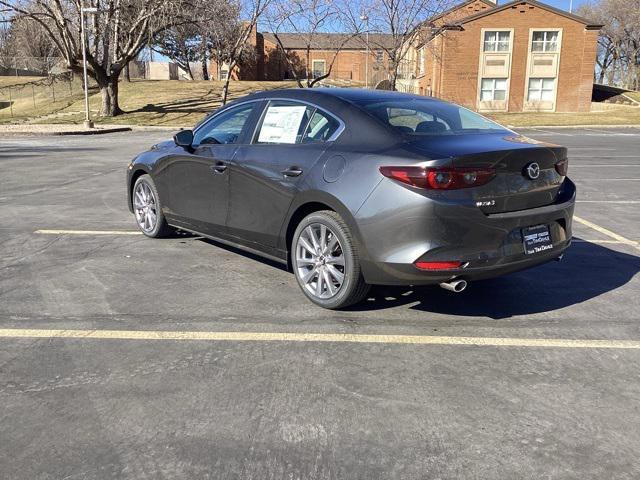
[623, 116]
[163, 102]
[183, 103]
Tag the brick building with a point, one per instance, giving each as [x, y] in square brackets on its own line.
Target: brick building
[520, 56]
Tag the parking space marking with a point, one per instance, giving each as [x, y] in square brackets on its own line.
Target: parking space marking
[609, 201]
[164, 335]
[88, 232]
[606, 232]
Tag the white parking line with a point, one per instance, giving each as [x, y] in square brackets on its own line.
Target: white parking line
[88, 232]
[606, 232]
[163, 335]
[609, 201]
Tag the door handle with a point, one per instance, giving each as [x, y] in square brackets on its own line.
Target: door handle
[292, 172]
[219, 167]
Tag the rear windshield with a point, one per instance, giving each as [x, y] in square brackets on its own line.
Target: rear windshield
[428, 117]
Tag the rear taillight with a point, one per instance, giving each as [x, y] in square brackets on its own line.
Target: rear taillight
[441, 178]
[438, 265]
[562, 167]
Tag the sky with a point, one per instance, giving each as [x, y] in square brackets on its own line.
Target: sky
[562, 4]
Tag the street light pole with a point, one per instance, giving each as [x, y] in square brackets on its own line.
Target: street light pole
[365, 19]
[87, 120]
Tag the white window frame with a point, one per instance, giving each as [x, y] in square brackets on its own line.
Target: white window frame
[313, 68]
[482, 53]
[545, 42]
[495, 41]
[557, 53]
[493, 89]
[540, 88]
[421, 58]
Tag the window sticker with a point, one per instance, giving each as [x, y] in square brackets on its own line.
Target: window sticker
[281, 124]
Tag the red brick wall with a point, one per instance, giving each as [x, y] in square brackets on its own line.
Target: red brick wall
[458, 80]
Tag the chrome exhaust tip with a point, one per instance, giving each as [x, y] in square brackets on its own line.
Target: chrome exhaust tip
[456, 286]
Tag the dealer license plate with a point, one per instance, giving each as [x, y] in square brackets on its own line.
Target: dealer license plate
[536, 239]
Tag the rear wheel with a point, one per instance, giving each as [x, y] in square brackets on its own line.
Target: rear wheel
[147, 208]
[325, 261]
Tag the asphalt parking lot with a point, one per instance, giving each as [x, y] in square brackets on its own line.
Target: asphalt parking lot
[532, 375]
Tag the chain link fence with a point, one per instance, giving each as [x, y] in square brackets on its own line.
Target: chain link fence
[24, 97]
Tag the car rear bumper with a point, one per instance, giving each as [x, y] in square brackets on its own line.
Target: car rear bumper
[431, 231]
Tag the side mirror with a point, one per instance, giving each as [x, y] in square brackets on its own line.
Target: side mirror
[184, 138]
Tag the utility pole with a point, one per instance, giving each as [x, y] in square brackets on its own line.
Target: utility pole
[83, 33]
[365, 18]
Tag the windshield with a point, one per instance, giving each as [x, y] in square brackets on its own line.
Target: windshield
[415, 116]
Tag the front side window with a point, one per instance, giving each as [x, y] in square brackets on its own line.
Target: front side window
[286, 122]
[224, 128]
[428, 117]
[496, 41]
[544, 41]
[541, 89]
[492, 89]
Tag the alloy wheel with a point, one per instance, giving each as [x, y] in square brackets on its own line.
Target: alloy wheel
[320, 261]
[145, 207]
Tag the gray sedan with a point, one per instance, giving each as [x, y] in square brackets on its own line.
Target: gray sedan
[352, 188]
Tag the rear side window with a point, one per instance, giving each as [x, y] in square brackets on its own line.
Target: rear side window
[285, 122]
[321, 128]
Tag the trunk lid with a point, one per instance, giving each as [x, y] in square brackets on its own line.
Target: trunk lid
[514, 187]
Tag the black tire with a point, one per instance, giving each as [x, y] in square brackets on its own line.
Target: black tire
[161, 228]
[353, 288]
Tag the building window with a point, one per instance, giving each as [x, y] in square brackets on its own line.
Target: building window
[421, 61]
[379, 56]
[544, 42]
[493, 89]
[541, 89]
[318, 68]
[496, 41]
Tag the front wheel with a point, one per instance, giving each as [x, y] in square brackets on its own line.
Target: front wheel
[325, 261]
[147, 208]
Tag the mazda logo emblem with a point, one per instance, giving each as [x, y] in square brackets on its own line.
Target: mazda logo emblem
[533, 170]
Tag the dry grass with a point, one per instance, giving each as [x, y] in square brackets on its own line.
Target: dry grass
[6, 81]
[163, 102]
[626, 116]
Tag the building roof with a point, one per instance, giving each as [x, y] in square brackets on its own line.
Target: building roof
[457, 6]
[330, 41]
[589, 24]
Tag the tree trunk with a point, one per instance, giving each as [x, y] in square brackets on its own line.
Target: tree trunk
[205, 69]
[109, 92]
[225, 87]
[127, 75]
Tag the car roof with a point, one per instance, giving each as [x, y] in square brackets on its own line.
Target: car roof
[352, 95]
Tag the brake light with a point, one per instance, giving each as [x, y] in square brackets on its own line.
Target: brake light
[438, 265]
[440, 178]
[562, 167]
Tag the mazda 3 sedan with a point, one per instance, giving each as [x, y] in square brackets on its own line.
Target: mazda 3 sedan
[352, 188]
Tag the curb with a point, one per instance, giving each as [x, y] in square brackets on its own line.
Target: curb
[96, 131]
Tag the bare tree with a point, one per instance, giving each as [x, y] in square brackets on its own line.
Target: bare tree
[236, 37]
[311, 21]
[116, 34]
[399, 19]
[619, 43]
[182, 44]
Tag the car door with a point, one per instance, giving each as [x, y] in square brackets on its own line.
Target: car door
[267, 173]
[197, 178]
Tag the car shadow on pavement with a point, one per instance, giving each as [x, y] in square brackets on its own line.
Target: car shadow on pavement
[587, 270]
